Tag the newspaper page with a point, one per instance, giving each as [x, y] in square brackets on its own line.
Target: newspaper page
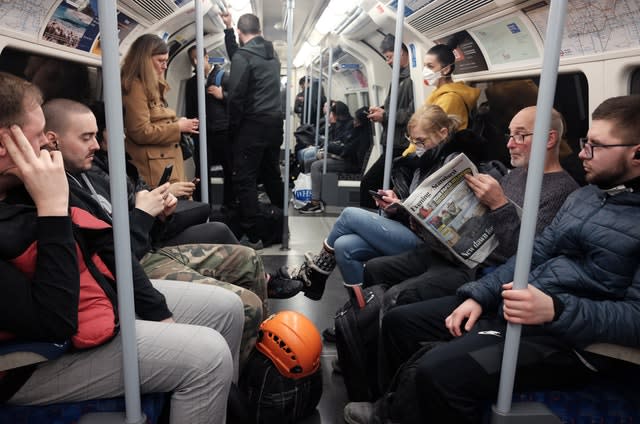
[445, 206]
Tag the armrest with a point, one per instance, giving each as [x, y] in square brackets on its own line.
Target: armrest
[623, 353]
[15, 354]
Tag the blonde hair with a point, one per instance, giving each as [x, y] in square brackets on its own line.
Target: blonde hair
[431, 118]
[18, 97]
[138, 65]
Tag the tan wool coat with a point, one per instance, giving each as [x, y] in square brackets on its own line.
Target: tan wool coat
[152, 136]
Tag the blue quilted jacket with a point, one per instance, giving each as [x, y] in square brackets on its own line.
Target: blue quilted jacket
[589, 259]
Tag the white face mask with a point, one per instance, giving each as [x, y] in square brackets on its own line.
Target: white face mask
[430, 77]
[420, 151]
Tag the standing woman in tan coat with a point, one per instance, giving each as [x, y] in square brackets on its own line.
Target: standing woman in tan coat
[152, 129]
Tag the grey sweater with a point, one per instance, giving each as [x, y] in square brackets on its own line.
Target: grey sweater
[556, 186]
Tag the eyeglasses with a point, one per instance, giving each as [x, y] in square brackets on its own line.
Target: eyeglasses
[419, 142]
[517, 138]
[588, 146]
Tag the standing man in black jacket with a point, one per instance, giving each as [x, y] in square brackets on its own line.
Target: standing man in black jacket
[191, 106]
[218, 150]
[255, 116]
[372, 180]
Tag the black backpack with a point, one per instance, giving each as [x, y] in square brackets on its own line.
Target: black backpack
[357, 344]
[274, 398]
[270, 222]
[305, 135]
[400, 402]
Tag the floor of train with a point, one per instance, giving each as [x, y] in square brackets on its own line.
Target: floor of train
[307, 233]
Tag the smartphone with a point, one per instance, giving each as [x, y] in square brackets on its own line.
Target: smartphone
[166, 174]
[375, 194]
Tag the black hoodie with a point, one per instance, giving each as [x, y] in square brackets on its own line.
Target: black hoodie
[254, 84]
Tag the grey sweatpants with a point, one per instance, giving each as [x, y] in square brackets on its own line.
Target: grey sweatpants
[193, 358]
[333, 165]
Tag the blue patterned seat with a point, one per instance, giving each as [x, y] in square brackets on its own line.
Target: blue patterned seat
[70, 413]
[17, 353]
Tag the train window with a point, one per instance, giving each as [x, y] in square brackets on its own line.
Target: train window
[506, 97]
[357, 99]
[635, 82]
[55, 77]
[365, 98]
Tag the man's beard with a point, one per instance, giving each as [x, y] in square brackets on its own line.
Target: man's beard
[607, 179]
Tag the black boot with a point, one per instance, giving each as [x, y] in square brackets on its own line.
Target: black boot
[315, 271]
[282, 285]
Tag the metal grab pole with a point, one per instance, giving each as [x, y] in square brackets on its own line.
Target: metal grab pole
[202, 114]
[548, 79]
[310, 92]
[307, 90]
[326, 119]
[118, 176]
[319, 91]
[393, 103]
[287, 124]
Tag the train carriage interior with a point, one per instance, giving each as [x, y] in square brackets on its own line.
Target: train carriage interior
[56, 44]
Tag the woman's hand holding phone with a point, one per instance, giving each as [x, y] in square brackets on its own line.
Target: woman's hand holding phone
[384, 198]
[189, 126]
[182, 189]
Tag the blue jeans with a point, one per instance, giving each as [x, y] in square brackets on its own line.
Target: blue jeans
[359, 235]
[306, 154]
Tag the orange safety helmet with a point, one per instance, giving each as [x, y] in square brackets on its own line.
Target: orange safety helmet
[292, 343]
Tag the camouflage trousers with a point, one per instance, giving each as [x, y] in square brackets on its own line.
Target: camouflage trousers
[232, 267]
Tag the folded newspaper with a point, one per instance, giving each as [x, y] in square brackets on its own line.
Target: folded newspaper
[448, 211]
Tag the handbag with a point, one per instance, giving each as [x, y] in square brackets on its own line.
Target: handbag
[187, 145]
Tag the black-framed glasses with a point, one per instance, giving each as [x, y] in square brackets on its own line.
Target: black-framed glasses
[588, 146]
[517, 138]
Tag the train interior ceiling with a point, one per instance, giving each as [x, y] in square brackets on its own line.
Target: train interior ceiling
[56, 44]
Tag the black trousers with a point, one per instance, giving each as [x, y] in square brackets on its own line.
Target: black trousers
[207, 233]
[415, 275]
[373, 179]
[197, 193]
[457, 378]
[220, 153]
[256, 157]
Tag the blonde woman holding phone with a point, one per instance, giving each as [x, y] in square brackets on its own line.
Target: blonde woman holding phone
[153, 132]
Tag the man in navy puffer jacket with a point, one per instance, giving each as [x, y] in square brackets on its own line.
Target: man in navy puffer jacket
[584, 288]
